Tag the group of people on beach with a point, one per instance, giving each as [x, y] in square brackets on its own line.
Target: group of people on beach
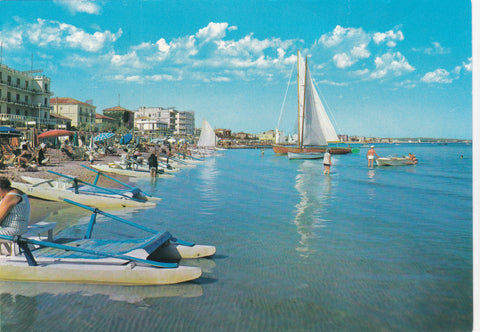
[28, 156]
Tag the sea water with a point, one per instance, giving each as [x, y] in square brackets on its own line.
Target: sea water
[361, 249]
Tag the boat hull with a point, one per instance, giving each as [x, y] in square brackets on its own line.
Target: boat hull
[126, 172]
[100, 201]
[55, 270]
[284, 149]
[394, 161]
[305, 155]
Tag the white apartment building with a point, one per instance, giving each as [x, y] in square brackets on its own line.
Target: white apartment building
[24, 99]
[166, 121]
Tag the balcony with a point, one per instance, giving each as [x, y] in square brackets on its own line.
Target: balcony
[23, 119]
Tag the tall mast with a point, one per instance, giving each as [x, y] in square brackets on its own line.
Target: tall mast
[304, 94]
[300, 134]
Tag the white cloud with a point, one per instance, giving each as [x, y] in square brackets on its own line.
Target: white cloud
[340, 35]
[388, 37]
[342, 60]
[45, 33]
[438, 76]
[80, 6]
[212, 31]
[436, 49]
[391, 63]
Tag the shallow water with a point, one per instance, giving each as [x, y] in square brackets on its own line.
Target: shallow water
[388, 248]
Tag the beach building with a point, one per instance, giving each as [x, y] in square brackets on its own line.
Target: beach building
[24, 99]
[62, 122]
[223, 133]
[102, 120]
[78, 111]
[165, 121]
[123, 116]
[185, 123]
[267, 137]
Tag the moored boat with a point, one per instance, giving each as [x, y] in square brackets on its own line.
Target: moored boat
[394, 161]
[315, 130]
[305, 155]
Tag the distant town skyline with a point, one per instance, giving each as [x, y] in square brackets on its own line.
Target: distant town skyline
[385, 69]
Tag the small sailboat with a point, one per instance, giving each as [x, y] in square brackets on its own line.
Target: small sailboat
[207, 142]
[315, 129]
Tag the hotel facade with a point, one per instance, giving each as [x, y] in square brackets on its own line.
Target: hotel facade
[24, 99]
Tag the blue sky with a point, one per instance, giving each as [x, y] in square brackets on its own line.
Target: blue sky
[386, 68]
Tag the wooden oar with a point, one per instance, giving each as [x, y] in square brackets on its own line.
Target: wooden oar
[21, 241]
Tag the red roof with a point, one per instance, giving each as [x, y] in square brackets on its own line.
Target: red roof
[101, 116]
[117, 108]
[68, 101]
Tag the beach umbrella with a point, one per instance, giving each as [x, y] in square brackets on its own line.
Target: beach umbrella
[75, 139]
[9, 132]
[102, 137]
[126, 138]
[55, 133]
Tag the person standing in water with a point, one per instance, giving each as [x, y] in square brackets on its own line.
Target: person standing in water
[327, 162]
[153, 164]
[371, 154]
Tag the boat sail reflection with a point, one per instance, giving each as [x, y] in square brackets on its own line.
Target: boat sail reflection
[315, 191]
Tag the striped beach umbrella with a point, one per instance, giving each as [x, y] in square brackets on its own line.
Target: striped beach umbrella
[102, 137]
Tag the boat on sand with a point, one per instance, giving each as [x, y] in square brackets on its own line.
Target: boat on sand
[139, 172]
[72, 188]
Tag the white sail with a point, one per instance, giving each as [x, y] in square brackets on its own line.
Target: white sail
[317, 127]
[207, 136]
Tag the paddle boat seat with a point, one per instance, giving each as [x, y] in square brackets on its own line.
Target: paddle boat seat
[35, 231]
[139, 248]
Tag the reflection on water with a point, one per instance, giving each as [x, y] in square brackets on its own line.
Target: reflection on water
[128, 294]
[207, 185]
[314, 188]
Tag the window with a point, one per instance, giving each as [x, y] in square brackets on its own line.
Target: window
[9, 110]
[18, 82]
[26, 99]
[18, 97]
[9, 79]
[18, 111]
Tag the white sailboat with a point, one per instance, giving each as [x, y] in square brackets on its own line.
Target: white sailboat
[207, 141]
[315, 129]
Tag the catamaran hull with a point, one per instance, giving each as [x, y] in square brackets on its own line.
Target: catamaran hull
[284, 149]
[394, 161]
[100, 201]
[127, 172]
[91, 273]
